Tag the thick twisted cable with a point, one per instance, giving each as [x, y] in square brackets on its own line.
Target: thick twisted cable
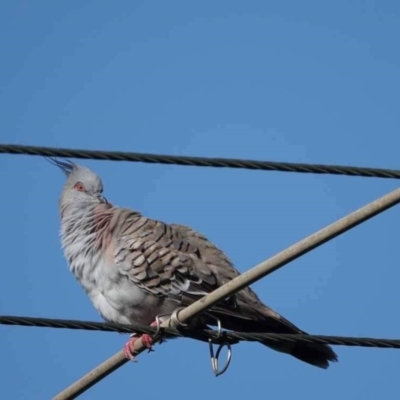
[200, 161]
[202, 335]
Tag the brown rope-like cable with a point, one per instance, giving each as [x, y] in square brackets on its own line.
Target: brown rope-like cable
[279, 260]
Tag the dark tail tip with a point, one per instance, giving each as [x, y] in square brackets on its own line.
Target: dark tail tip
[318, 355]
[315, 354]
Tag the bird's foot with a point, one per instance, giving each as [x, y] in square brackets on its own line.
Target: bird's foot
[129, 348]
[147, 340]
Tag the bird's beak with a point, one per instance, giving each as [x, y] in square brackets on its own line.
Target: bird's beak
[102, 199]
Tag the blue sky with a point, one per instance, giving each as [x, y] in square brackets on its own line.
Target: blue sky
[294, 81]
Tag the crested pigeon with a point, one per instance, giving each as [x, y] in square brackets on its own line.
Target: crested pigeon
[134, 269]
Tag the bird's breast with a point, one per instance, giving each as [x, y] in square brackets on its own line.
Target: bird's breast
[91, 258]
[113, 294]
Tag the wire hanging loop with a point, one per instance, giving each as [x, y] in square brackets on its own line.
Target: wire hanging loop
[215, 358]
[174, 322]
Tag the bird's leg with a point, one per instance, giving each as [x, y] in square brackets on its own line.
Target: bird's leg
[147, 340]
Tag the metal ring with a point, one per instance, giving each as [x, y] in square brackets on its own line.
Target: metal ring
[158, 323]
[215, 359]
[175, 320]
[219, 326]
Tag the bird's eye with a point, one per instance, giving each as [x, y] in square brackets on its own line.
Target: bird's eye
[80, 187]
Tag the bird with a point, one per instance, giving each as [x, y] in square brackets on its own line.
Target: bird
[134, 269]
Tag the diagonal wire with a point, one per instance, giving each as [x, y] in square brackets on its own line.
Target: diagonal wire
[199, 334]
[200, 161]
[279, 260]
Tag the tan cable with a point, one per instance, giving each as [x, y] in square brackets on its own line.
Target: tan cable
[279, 260]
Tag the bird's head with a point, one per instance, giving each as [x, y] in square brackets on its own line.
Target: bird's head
[83, 187]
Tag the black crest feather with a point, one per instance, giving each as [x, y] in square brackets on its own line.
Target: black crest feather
[65, 165]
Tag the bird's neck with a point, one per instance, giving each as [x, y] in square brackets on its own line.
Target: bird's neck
[83, 233]
[88, 231]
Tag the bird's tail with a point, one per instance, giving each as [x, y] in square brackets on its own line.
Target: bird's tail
[269, 321]
[315, 354]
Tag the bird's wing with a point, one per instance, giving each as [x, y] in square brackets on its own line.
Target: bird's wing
[217, 261]
[174, 261]
[245, 304]
[162, 261]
